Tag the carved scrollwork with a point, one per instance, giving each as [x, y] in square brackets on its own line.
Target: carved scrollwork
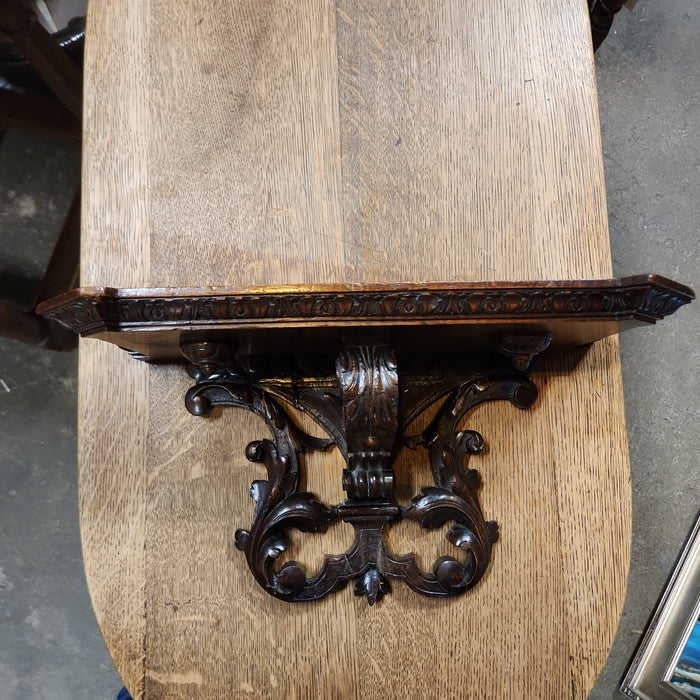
[363, 414]
[279, 505]
[455, 496]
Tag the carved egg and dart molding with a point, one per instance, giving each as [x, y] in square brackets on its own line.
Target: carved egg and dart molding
[358, 361]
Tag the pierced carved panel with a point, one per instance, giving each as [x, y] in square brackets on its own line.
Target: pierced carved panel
[364, 417]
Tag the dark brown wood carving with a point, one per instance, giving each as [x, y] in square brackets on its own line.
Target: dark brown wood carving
[153, 323]
[369, 391]
[364, 363]
[366, 419]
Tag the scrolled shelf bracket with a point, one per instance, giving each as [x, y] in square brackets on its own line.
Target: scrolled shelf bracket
[364, 361]
[364, 407]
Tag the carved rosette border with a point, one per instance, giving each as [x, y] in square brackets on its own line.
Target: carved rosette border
[647, 298]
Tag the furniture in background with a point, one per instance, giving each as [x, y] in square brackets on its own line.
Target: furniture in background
[666, 665]
[56, 114]
[602, 14]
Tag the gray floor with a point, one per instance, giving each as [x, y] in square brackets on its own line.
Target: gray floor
[648, 78]
[649, 91]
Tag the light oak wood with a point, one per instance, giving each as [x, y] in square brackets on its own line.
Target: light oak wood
[259, 142]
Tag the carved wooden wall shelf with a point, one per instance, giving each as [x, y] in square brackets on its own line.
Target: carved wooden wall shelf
[364, 362]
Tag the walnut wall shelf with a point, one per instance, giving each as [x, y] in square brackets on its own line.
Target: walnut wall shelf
[364, 362]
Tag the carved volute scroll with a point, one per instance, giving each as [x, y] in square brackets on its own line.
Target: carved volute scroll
[369, 386]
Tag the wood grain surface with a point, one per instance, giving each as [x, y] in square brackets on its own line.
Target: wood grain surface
[260, 142]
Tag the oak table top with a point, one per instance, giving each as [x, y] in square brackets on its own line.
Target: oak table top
[340, 143]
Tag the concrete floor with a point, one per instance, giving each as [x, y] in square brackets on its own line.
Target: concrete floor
[649, 91]
[649, 87]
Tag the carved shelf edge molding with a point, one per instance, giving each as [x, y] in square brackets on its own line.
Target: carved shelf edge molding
[359, 362]
[154, 322]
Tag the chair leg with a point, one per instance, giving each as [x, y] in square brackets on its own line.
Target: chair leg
[61, 275]
[50, 61]
[602, 13]
[43, 114]
[63, 270]
[65, 79]
[28, 327]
